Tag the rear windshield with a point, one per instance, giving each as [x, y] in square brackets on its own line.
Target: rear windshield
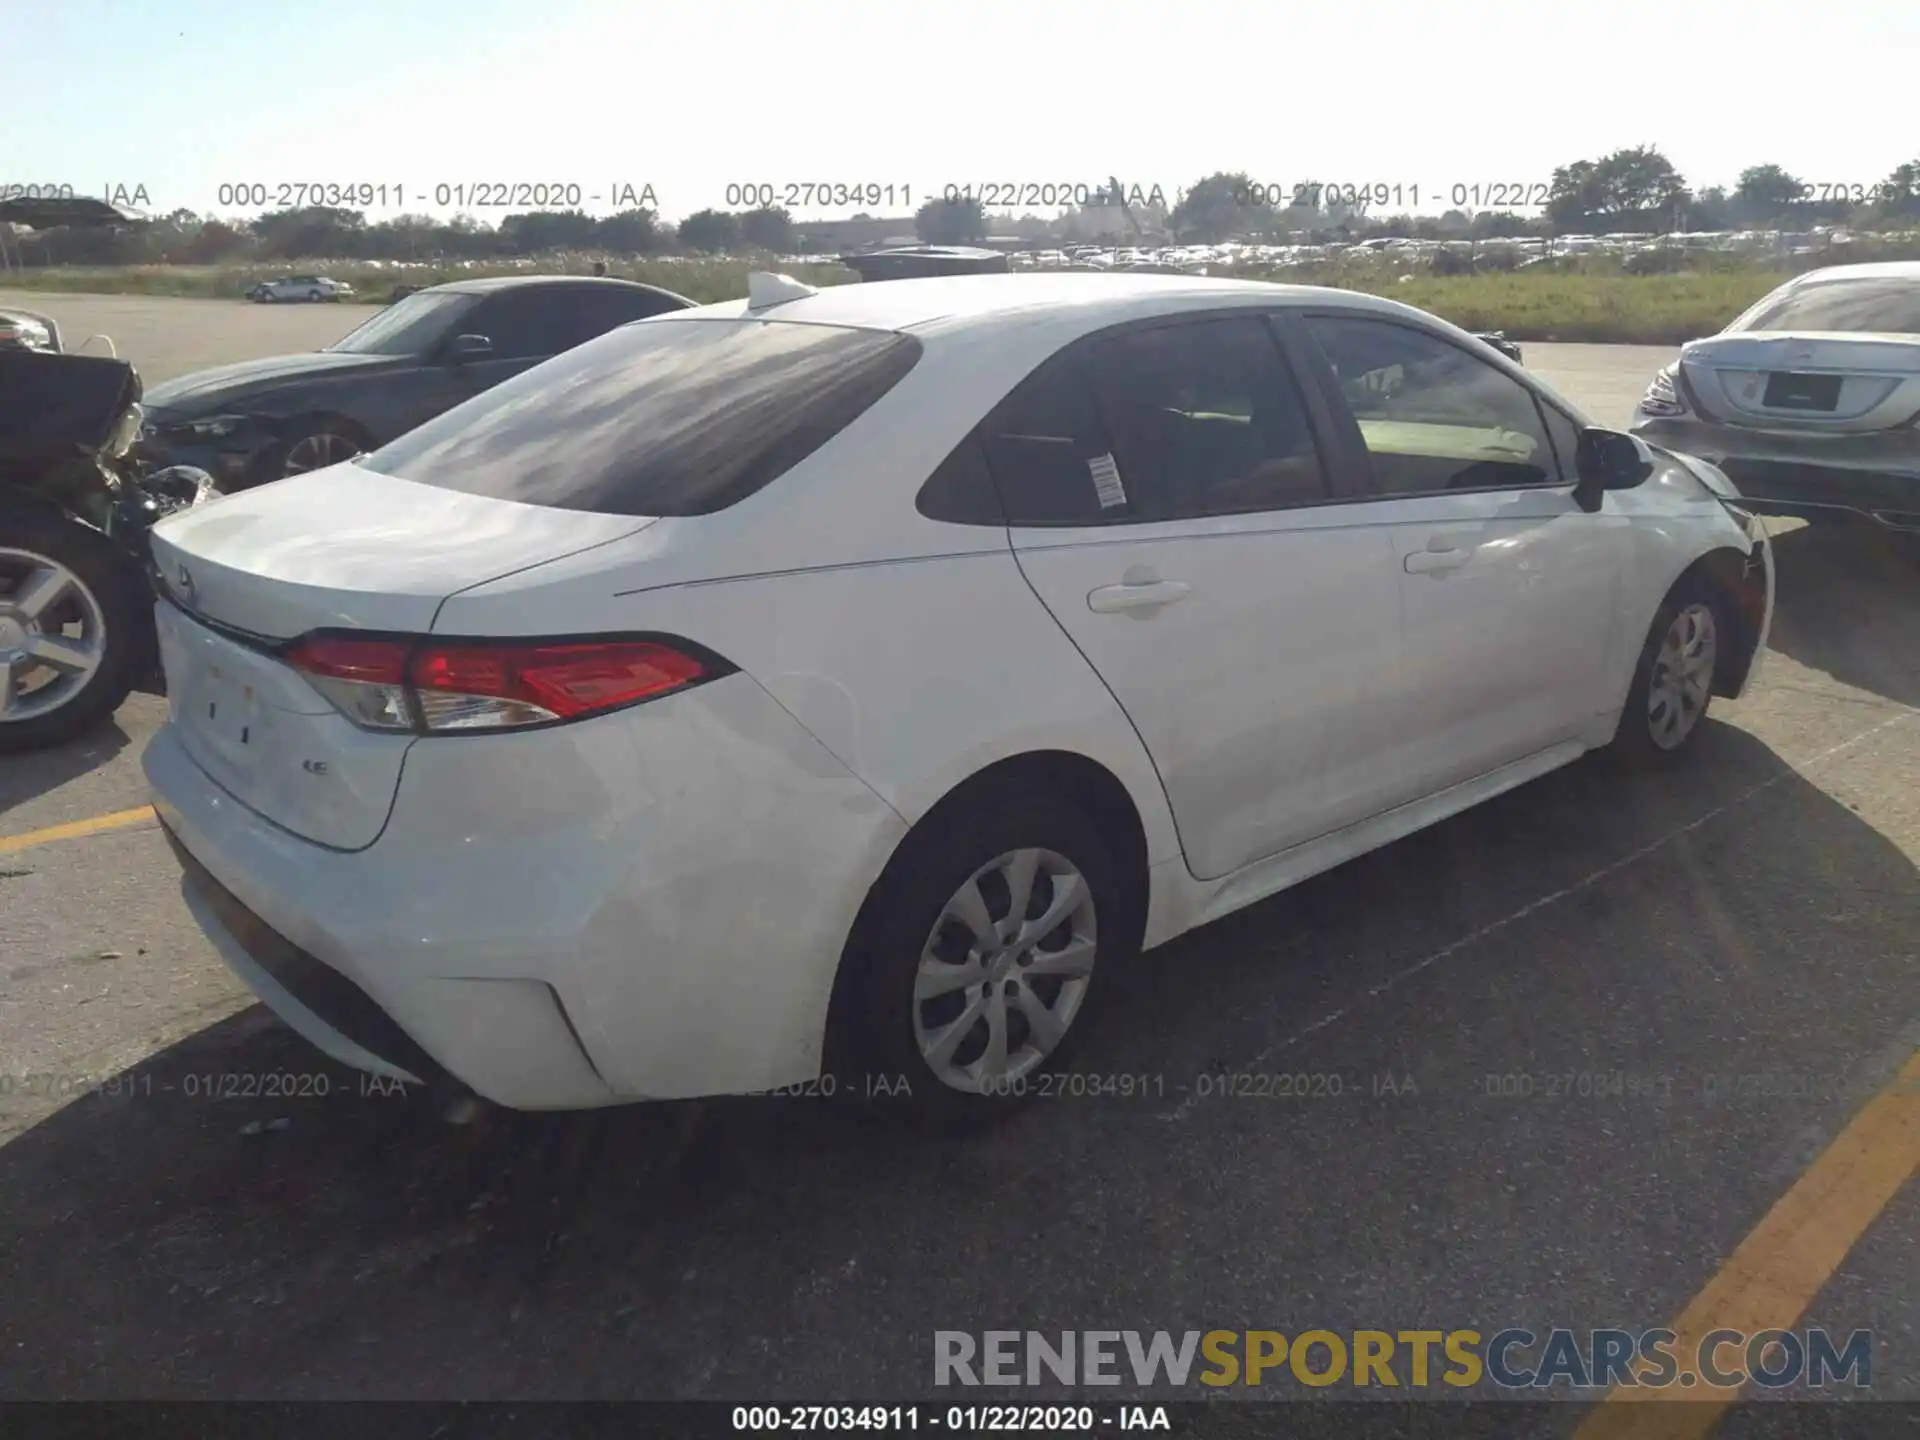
[1886, 305]
[661, 417]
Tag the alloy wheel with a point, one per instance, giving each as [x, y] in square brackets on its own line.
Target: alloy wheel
[1005, 971]
[1682, 676]
[317, 451]
[53, 635]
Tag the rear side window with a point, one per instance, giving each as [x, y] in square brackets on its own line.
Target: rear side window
[1206, 420]
[1161, 423]
[1049, 452]
[666, 417]
[585, 312]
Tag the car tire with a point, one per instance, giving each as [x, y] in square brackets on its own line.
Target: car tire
[292, 447]
[1684, 652]
[316, 295]
[103, 594]
[889, 1056]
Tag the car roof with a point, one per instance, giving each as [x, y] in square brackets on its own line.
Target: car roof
[1876, 270]
[1090, 298]
[515, 282]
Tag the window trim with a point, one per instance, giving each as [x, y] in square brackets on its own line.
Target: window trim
[1075, 354]
[1349, 426]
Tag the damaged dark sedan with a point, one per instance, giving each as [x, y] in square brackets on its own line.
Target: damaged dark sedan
[262, 420]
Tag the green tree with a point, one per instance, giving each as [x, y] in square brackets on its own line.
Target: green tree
[536, 231]
[1636, 188]
[959, 221]
[768, 228]
[1712, 209]
[710, 231]
[1766, 192]
[630, 232]
[316, 232]
[1641, 185]
[1574, 196]
[1900, 191]
[1221, 206]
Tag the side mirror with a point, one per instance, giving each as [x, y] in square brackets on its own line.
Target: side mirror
[465, 349]
[1608, 460]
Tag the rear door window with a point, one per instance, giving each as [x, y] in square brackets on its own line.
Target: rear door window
[1155, 424]
[1206, 419]
[667, 417]
[587, 312]
[1049, 453]
[525, 324]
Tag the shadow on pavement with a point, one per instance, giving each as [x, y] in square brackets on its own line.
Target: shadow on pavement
[26, 777]
[161, 1243]
[1847, 602]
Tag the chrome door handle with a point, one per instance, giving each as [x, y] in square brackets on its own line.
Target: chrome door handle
[1431, 562]
[1110, 599]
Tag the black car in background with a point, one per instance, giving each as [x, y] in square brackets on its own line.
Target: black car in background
[262, 420]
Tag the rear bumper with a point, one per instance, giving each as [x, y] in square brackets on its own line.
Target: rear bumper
[1861, 477]
[647, 906]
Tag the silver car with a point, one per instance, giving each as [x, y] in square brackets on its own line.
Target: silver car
[1810, 401]
[300, 287]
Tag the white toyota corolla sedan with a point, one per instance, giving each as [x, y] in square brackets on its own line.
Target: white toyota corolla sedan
[835, 689]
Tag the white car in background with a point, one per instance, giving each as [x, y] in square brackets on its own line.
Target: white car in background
[847, 683]
[1810, 401]
[300, 287]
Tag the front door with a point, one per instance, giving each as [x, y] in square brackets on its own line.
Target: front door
[1508, 588]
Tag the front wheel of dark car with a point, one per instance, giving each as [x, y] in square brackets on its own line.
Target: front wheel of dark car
[70, 616]
[1680, 660]
[311, 446]
[993, 931]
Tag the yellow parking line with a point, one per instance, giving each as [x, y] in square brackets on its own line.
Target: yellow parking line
[1770, 1280]
[118, 820]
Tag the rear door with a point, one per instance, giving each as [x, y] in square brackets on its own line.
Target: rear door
[1509, 590]
[1167, 501]
[589, 311]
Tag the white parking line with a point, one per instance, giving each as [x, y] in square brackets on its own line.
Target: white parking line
[1186, 1106]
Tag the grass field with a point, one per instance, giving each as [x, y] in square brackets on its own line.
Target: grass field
[1597, 304]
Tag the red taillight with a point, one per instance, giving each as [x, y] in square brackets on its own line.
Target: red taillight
[559, 682]
[395, 684]
[341, 657]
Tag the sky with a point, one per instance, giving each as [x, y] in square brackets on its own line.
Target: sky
[165, 101]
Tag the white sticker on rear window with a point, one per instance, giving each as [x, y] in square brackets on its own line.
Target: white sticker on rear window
[1106, 481]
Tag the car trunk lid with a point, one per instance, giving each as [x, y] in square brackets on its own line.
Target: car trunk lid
[251, 571]
[1842, 382]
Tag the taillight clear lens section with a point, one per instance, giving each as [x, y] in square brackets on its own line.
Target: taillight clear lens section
[504, 685]
[365, 679]
[1663, 396]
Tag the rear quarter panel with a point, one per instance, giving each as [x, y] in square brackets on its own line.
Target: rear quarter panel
[914, 674]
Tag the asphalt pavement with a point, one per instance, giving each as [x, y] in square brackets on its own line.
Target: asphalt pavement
[1737, 938]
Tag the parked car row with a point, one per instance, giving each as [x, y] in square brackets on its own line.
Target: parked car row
[853, 681]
